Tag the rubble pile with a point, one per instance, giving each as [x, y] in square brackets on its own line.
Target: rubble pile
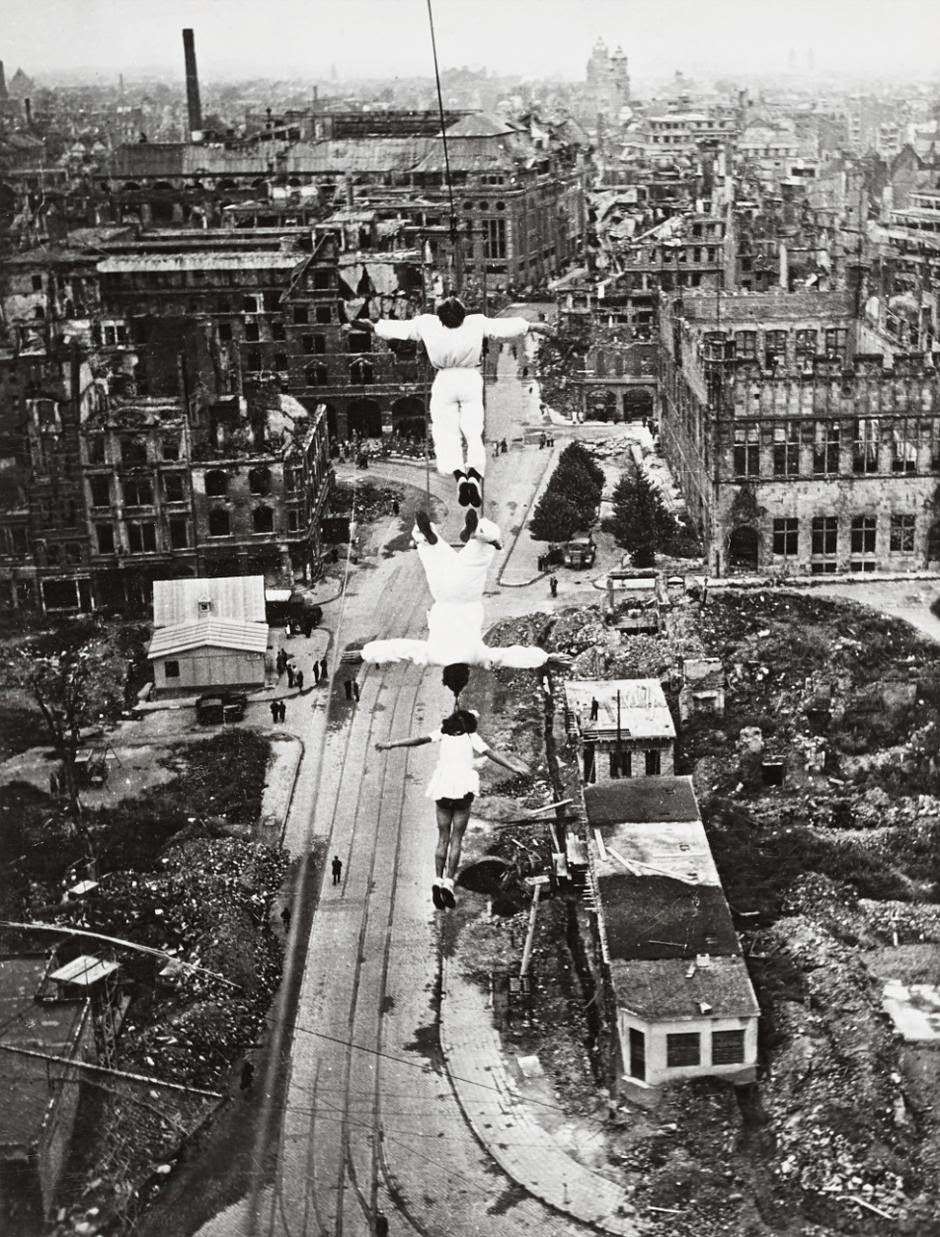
[685, 1157]
[834, 1097]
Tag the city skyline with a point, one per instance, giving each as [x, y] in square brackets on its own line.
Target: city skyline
[106, 37]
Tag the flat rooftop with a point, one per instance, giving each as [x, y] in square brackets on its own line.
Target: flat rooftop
[642, 707]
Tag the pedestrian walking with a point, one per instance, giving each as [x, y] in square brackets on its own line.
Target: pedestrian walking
[553, 585]
[282, 711]
[355, 687]
[285, 918]
[337, 869]
[299, 680]
[348, 686]
[290, 674]
[281, 662]
[595, 706]
[317, 615]
[504, 446]
[396, 506]
[247, 1076]
[275, 712]
[323, 674]
[308, 626]
[316, 673]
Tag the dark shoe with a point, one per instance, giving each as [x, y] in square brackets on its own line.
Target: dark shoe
[473, 492]
[437, 896]
[469, 526]
[448, 901]
[464, 491]
[423, 521]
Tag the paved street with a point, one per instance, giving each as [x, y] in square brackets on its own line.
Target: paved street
[372, 1122]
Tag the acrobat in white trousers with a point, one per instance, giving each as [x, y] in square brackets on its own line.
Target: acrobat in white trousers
[457, 408]
[456, 579]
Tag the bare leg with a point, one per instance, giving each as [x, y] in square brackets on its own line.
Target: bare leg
[461, 816]
[445, 816]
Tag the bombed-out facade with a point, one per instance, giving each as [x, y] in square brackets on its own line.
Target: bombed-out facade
[802, 442]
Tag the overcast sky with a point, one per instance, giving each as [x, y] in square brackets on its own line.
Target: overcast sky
[535, 38]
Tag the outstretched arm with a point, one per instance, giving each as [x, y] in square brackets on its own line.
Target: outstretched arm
[541, 328]
[512, 766]
[505, 328]
[419, 742]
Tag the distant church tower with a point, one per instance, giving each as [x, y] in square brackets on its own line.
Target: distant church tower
[608, 82]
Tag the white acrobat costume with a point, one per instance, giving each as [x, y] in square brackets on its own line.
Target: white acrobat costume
[457, 393]
[456, 579]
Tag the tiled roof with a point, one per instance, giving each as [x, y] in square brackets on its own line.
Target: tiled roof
[208, 633]
[479, 124]
[662, 989]
[641, 799]
[650, 916]
[386, 154]
[234, 598]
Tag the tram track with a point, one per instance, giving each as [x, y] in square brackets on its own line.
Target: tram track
[314, 1216]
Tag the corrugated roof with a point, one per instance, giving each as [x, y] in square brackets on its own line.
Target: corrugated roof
[84, 971]
[208, 633]
[641, 799]
[662, 989]
[238, 598]
[199, 260]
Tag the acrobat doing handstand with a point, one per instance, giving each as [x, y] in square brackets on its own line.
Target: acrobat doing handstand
[456, 579]
[453, 785]
[454, 342]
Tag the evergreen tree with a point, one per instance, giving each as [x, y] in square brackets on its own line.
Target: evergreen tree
[555, 518]
[638, 519]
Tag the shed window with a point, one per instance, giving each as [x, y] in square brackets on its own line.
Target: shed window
[683, 1049]
[171, 669]
[727, 1047]
[621, 764]
[653, 764]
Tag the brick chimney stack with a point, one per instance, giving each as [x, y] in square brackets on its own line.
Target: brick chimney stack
[3, 84]
[194, 107]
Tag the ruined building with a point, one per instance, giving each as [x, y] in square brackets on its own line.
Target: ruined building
[802, 442]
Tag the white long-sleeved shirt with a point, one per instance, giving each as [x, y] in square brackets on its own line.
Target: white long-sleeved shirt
[458, 347]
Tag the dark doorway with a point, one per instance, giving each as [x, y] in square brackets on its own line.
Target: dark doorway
[743, 547]
[365, 418]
